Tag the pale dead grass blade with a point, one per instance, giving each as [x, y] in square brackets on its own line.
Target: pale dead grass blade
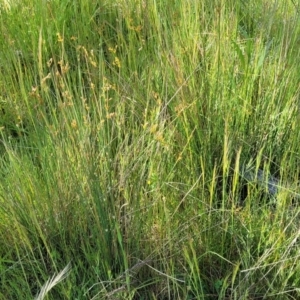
[51, 282]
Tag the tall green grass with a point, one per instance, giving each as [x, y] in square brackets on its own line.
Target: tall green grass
[123, 128]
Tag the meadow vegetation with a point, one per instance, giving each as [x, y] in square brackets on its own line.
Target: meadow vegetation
[123, 126]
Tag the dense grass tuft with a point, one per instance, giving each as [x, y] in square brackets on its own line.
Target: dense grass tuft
[124, 126]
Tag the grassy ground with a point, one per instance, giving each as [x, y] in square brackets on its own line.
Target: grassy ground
[123, 126]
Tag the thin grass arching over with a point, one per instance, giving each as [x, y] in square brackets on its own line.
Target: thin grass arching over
[153, 146]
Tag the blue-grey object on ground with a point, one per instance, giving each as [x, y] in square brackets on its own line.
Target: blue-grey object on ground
[269, 182]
